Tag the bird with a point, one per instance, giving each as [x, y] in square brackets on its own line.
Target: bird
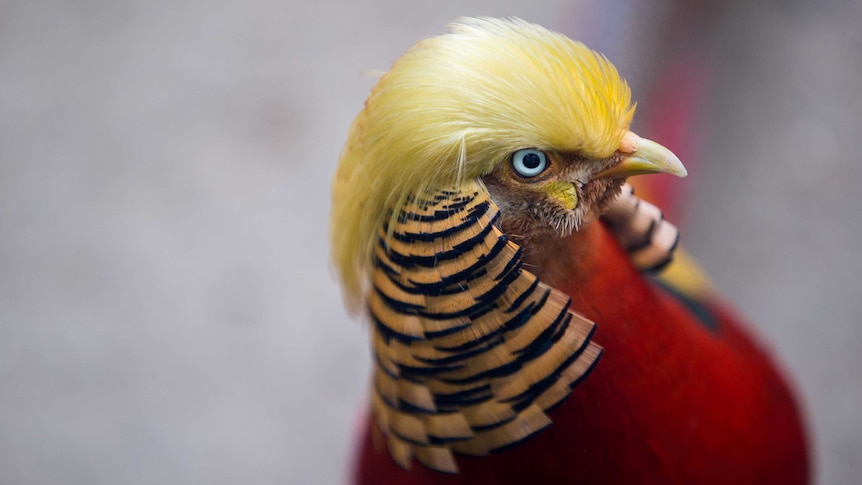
[531, 320]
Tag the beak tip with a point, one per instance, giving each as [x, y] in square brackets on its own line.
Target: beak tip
[678, 168]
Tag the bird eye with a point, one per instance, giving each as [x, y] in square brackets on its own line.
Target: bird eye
[529, 163]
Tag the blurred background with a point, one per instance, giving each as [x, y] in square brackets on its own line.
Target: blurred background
[167, 310]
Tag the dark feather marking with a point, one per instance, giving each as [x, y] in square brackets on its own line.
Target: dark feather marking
[700, 311]
[489, 427]
[523, 296]
[410, 260]
[455, 358]
[514, 262]
[398, 305]
[430, 290]
[533, 392]
[475, 213]
[388, 333]
[426, 371]
[544, 340]
[515, 322]
[471, 317]
[480, 263]
[646, 238]
[539, 347]
[518, 442]
[450, 399]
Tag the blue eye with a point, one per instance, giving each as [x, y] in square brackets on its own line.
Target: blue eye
[529, 163]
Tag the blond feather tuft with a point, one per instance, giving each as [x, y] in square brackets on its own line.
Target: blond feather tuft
[453, 108]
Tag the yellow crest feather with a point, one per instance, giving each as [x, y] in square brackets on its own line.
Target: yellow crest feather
[453, 108]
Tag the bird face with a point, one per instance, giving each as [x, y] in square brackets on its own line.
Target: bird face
[550, 193]
[547, 193]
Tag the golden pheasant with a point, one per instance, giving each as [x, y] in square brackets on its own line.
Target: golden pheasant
[481, 222]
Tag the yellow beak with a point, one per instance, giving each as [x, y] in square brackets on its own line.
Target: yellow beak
[641, 156]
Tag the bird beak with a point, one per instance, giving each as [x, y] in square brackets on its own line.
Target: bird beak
[640, 156]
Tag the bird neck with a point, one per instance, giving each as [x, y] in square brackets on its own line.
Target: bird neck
[593, 268]
[573, 262]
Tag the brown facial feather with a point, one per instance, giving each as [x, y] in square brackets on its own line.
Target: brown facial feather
[531, 217]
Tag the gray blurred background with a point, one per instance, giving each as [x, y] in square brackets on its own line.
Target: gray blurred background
[167, 311]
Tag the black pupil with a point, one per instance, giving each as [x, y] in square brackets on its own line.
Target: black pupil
[532, 160]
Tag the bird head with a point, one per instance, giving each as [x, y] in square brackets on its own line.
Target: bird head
[543, 193]
[542, 120]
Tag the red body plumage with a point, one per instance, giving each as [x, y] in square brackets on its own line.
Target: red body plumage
[672, 401]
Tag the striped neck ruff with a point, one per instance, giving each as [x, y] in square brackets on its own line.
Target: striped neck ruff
[471, 350]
